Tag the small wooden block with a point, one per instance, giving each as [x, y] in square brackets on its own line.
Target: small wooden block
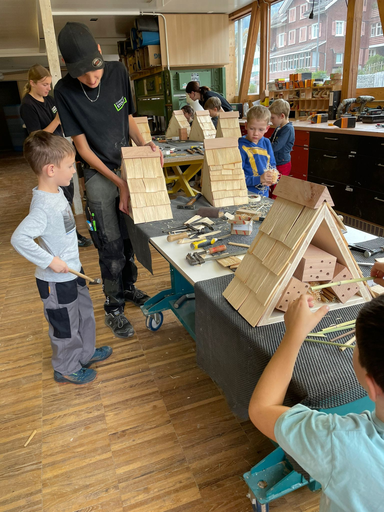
[315, 265]
[345, 291]
[293, 291]
[183, 134]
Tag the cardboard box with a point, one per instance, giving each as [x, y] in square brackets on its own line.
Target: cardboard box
[152, 56]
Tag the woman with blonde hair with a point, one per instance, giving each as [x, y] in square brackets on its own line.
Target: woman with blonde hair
[38, 109]
[39, 112]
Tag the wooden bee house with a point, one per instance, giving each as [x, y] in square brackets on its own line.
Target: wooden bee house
[301, 215]
[228, 125]
[178, 120]
[202, 126]
[143, 126]
[149, 200]
[222, 174]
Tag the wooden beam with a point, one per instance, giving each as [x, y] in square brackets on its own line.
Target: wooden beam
[264, 45]
[352, 48]
[50, 40]
[253, 32]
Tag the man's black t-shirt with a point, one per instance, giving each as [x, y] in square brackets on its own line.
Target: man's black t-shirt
[37, 115]
[224, 103]
[104, 122]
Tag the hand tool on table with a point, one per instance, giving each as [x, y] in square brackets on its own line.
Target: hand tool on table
[204, 242]
[213, 250]
[210, 211]
[371, 252]
[196, 258]
[357, 247]
[190, 204]
[83, 276]
[179, 302]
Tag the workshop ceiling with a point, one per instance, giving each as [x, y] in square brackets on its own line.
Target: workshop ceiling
[22, 38]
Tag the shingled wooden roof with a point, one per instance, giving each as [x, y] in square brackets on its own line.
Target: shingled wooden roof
[202, 126]
[178, 120]
[300, 215]
[143, 126]
[149, 200]
[222, 174]
[228, 125]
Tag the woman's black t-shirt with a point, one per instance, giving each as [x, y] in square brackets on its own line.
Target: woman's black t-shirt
[37, 115]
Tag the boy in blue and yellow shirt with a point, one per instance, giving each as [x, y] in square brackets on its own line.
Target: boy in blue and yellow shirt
[256, 152]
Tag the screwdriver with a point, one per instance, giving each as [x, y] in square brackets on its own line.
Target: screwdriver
[204, 243]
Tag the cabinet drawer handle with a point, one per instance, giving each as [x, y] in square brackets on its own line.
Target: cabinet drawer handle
[378, 199]
[380, 165]
[329, 156]
[331, 138]
[326, 185]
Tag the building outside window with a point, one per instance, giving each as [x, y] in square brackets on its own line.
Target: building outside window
[308, 44]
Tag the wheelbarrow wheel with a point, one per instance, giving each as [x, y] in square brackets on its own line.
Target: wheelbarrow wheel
[154, 322]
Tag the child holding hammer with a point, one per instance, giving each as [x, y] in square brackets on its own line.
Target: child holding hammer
[67, 305]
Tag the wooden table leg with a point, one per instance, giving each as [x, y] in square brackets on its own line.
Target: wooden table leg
[182, 179]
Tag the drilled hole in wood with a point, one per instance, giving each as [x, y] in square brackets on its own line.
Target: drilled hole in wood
[287, 293]
[327, 273]
[348, 290]
[310, 266]
[321, 261]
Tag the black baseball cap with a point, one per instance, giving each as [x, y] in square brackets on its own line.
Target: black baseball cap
[79, 49]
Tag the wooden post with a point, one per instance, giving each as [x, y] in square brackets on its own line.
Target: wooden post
[253, 32]
[50, 40]
[264, 45]
[352, 48]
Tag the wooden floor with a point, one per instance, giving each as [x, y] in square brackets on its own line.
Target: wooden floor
[153, 433]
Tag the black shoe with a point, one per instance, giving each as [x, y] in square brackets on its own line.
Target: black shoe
[136, 296]
[119, 324]
[83, 242]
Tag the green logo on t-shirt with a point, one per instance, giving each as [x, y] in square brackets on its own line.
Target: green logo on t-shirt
[120, 104]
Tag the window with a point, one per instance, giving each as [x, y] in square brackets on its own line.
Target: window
[292, 37]
[290, 62]
[339, 58]
[376, 30]
[371, 55]
[315, 27]
[302, 34]
[241, 36]
[292, 15]
[362, 28]
[303, 11]
[284, 63]
[339, 28]
[281, 40]
[307, 59]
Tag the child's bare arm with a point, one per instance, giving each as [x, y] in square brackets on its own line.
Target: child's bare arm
[266, 403]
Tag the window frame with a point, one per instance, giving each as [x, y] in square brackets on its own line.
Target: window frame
[341, 58]
[303, 11]
[294, 37]
[292, 9]
[281, 35]
[312, 30]
[305, 29]
[342, 28]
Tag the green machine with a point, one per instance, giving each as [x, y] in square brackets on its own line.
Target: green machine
[162, 93]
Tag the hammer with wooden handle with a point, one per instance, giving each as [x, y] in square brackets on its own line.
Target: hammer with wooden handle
[83, 276]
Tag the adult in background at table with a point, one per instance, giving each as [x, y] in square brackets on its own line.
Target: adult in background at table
[39, 112]
[203, 93]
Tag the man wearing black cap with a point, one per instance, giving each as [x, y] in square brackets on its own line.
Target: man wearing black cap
[95, 106]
